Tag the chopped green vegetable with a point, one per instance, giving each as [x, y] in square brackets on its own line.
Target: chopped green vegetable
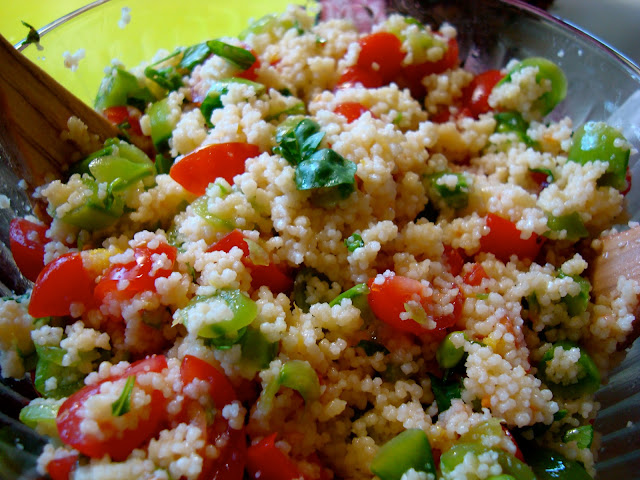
[588, 376]
[407, 450]
[222, 331]
[445, 392]
[119, 172]
[123, 404]
[577, 304]
[162, 124]
[163, 164]
[213, 99]
[122, 88]
[238, 56]
[547, 72]
[353, 242]
[300, 284]
[510, 464]
[448, 355]
[257, 351]
[598, 141]
[52, 380]
[571, 223]
[352, 293]
[41, 414]
[194, 55]
[98, 212]
[295, 109]
[200, 206]
[297, 139]
[456, 195]
[329, 174]
[583, 436]
[167, 77]
[512, 122]
[300, 376]
[550, 465]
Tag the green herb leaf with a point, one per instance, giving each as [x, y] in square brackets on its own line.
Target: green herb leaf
[33, 36]
[194, 55]
[298, 141]
[444, 393]
[166, 77]
[353, 242]
[123, 404]
[326, 168]
[238, 56]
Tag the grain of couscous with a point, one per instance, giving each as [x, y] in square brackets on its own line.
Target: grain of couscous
[350, 258]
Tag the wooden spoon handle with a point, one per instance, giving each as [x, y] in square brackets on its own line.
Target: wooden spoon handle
[620, 256]
[34, 110]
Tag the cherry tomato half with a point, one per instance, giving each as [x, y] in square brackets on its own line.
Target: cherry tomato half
[503, 240]
[476, 95]
[27, 240]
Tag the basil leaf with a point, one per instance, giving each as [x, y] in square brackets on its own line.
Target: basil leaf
[166, 77]
[33, 36]
[444, 393]
[123, 404]
[238, 56]
[299, 141]
[325, 168]
[194, 55]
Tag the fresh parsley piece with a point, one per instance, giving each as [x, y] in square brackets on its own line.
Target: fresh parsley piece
[123, 404]
[353, 242]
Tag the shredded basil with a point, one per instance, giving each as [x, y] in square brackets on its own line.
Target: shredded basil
[123, 404]
[238, 56]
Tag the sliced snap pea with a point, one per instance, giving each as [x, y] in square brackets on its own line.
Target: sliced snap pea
[408, 450]
[582, 435]
[41, 414]
[510, 464]
[577, 304]
[588, 380]
[300, 376]
[257, 351]
[97, 213]
[358, 295]
[547, 70]
[512, 122]
[201, 207]
[161, 123]
[550, 465]
[121, 88]
[598, 141]
[119, 172]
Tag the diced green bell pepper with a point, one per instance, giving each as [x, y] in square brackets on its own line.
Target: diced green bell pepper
[599, 141]
[407, 450]
[572, 223]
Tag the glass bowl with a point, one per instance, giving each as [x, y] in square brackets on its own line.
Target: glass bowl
[602, 86]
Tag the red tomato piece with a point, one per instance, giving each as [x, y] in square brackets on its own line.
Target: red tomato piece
[61, 468]
[221, 160]
[221, 390]
[229, 465]
[387, 301]
[113, 441]
[125, 114]
[453, 258]
[270, 275]
[476, 95]
[518, 453]
[628, 180]
[355, 75]
[475, 276]
[381, 52]
[265, 461]
[136, 276]
[27, 240]
[351, 110]
[503, 240]
[62, 282]
[541, 178]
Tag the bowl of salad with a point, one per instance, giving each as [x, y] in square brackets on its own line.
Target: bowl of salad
[351, 241]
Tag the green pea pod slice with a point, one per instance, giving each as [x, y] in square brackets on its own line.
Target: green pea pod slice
[448, 355]
[300, 376]
[257, 351]
[572, 223]
[550, 465]
[409, 449]
[599, 141]
[108, 169]
[41, 414]
[547, 70]
[161, 124]
[510, 464]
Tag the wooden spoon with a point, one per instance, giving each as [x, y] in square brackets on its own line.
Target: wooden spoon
[620, 256]
[34, 111]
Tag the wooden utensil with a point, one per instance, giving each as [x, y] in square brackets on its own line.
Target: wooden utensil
[620, 256]
[34, 111]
